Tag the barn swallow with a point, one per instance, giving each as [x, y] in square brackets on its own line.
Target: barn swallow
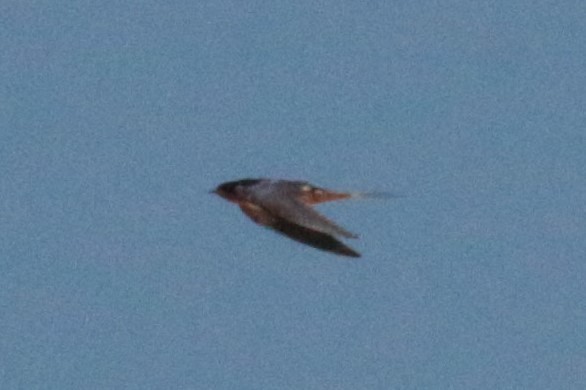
[285, 206]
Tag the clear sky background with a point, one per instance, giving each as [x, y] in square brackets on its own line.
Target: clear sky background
[119, 271]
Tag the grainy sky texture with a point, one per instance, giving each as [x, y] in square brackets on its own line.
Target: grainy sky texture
[119, 271]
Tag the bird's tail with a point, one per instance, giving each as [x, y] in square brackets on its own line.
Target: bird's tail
[375, 195]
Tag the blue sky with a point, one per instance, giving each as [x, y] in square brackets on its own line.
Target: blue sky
[120, 271]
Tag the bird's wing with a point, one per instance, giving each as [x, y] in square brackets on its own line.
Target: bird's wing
[297, 232]
[314, 238]
[292, 210]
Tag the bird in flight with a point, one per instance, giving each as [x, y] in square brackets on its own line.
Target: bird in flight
[285, 206]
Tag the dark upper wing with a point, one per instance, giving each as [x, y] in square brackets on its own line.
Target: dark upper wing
[280, 203]
[296, 232]
[312, 238]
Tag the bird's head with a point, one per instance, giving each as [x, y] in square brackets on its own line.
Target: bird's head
[233, 190]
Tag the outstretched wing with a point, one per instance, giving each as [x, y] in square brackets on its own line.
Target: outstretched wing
[287, 207]
[313, 238]
[297, 232]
